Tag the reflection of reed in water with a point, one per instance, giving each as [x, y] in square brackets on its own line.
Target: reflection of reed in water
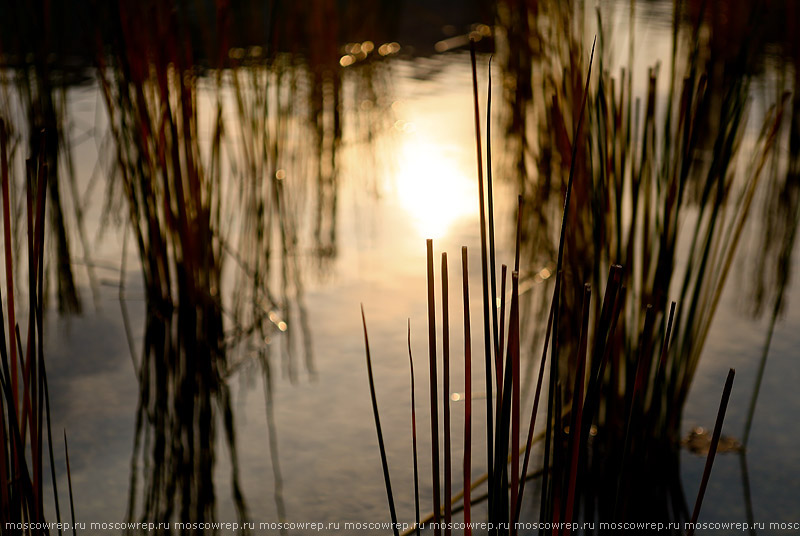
[272, 436]
[781, 208]
[172, 188]
[772, 275]
[288, 104]
[215, 169]
[41, 84]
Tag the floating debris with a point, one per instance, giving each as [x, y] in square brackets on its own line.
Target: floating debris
[699, 441]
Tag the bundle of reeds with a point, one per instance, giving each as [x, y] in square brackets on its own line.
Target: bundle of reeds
[582, 409]
[642, 171]
[25, 398]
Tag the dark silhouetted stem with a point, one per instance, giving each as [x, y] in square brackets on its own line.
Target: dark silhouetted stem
[448, 477]
[712, 451]
[69, 484]
[467, 396]
[414, 430]
[375, 412]
[556, 293]
[484, 277]
[433, 388]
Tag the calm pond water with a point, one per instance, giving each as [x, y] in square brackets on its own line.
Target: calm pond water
[404, 171]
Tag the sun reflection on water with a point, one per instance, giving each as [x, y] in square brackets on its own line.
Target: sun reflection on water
[433, 188]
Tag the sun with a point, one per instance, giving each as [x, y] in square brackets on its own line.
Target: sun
[433, 188]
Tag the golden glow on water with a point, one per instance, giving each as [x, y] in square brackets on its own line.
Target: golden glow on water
[432, 187]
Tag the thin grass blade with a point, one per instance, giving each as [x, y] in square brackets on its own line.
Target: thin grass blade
[712, 451]
[484, 279]
[375, 412]
[547, 492]
[414, 430]
[69, 483]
